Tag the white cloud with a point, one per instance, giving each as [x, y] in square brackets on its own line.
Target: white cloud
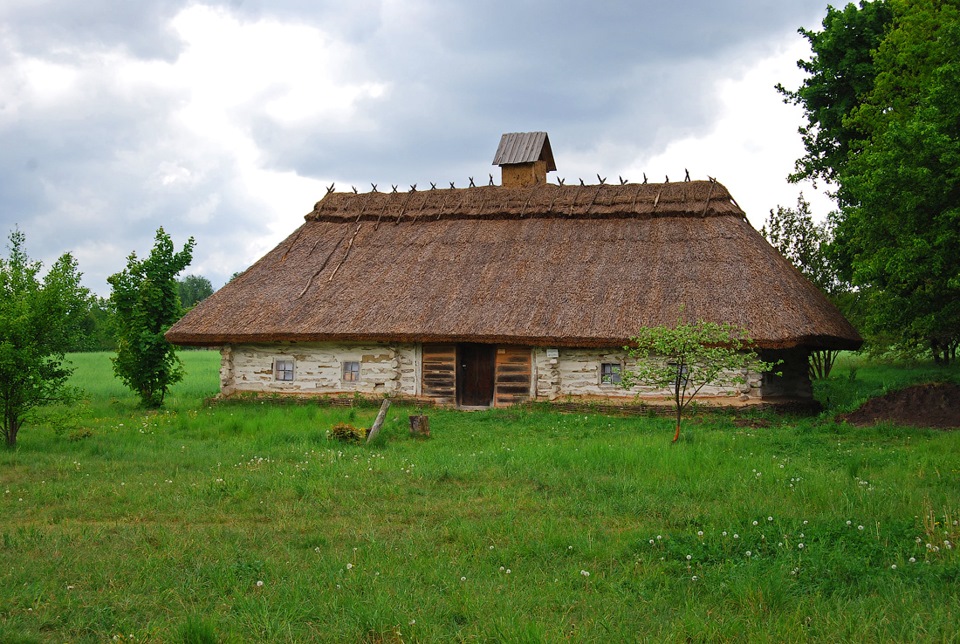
[752, 143]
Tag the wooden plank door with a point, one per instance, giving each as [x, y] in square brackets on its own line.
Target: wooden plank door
[513, 376]
[439, 373]
[475, 371]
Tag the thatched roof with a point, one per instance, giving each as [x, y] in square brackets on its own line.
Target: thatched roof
[546, 265]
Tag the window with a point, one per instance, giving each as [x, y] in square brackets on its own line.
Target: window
[610, 373]
[283, 370]
[351, 371]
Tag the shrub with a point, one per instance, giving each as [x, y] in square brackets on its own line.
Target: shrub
[347, 433]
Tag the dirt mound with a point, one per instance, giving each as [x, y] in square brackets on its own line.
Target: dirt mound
[932, 405]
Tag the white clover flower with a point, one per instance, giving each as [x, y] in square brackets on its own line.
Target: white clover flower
[859, 527]
[509, 571]
[749, 554]
[755, 523]
[349, 566]
[769, 518]
[699, 533]
[502, 568]
[463, 579]
[652, 542]
[913, 560]
[584, 573]
[259, 583]
[689, 557]
[694, 578]
[412, 622]
[736, 536]
[849, 522]
[893, 567]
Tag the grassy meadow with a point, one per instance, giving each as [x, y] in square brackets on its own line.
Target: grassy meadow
[242, 521]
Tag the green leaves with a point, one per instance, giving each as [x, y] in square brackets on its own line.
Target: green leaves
[39, 319]
[687, 357]
[146, 302]
[884, 125]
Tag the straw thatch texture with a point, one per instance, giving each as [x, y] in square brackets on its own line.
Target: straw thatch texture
[548, 265]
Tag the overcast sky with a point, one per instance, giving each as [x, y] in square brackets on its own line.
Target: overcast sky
[225, 121]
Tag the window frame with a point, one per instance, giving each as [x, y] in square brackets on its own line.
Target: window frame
[281, 369]
[616, 370]
[354, 374]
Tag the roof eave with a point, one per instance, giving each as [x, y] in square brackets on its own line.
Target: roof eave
[201, 339]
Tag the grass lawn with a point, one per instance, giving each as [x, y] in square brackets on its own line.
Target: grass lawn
[243, 522]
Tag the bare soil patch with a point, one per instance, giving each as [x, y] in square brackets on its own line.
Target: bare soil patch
[932, 405]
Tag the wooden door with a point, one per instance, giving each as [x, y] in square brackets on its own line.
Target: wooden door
[439, 373]
[513, 376]
[475, 371]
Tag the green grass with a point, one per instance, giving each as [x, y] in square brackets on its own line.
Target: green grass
[116, 521]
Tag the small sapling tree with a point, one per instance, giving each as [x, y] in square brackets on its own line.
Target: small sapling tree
[146, 304]
[687, 357]
[39, 320]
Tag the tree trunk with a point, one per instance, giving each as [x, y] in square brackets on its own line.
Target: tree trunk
[11, 433]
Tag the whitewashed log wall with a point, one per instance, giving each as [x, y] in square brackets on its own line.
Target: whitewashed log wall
[395, 369]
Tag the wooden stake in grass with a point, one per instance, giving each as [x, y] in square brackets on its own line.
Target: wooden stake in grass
[378, 423]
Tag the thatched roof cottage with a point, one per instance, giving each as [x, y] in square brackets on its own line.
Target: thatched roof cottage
[492, 295]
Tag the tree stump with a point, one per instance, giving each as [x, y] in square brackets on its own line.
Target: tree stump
[420, 426]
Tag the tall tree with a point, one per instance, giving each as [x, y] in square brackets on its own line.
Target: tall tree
[806, 244]
[901, 186]
[892, 147]
[146, 301]
[39, 319]
[194, 289]
[96, 330]
[839, 74]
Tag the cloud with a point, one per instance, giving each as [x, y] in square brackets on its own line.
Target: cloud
[226, 120]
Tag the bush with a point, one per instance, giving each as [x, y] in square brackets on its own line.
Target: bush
[347, 433]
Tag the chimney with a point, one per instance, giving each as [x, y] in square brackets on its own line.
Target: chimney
[524, 158]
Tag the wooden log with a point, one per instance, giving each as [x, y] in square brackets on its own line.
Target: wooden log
[378, 423]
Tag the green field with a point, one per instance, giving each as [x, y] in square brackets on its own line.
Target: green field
[242, 522]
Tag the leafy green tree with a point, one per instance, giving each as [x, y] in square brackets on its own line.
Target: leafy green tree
[146, 302]
[892, 147]
[900, 230]
[96, 329]
[39, 318]
[839, 74]
[687, 357]
[807, 245]
[804, 242]
[194, 289]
